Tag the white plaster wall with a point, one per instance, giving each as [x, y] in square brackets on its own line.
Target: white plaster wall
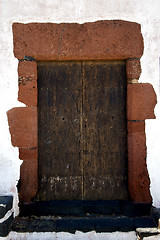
[68, 236]
[144, 12]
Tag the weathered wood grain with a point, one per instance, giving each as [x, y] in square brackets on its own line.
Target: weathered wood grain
[59, 100]
[82, 130]
[104, 130]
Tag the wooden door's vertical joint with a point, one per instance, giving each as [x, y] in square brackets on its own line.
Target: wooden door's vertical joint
[81, 121]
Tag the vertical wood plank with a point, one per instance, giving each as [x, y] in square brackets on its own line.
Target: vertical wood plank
[59, 104]
[104, 130]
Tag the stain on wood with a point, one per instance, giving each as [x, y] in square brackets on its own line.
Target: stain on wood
[82, 130]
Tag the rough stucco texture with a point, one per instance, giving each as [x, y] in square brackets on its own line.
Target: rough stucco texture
[28, 180]
[138, 180]
[78, 41]
[27, 73]
[23, 126]
[28, 154]
[141, 100]
[133, 68]
[28, 174]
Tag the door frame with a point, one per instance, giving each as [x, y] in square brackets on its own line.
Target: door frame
[101, 40]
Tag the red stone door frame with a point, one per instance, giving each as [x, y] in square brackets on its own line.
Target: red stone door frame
[101, 40]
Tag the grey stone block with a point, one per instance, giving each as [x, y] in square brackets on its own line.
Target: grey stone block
[5, 226]
[5, 205]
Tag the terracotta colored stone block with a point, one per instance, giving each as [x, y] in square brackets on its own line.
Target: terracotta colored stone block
[27, 93]
[23, 126]
[138, 180]
[27, 69]
[136, 126]
[114, 39]
[141, 100]
[29, 180]
[133, 68]
[28, 154]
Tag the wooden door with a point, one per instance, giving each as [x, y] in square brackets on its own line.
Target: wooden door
[82, 130]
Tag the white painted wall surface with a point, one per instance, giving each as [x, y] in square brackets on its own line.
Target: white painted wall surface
[147, 13]
[68, 236]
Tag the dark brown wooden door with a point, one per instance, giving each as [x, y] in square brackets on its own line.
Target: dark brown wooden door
[82, 130]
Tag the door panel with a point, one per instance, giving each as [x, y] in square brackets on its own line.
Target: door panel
[59, 132]
[104, 131]
[82, 130]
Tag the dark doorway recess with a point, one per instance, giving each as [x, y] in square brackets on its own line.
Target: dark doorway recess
[82, 136]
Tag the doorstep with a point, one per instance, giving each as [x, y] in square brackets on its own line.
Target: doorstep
[83, 224]
[85, 216]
